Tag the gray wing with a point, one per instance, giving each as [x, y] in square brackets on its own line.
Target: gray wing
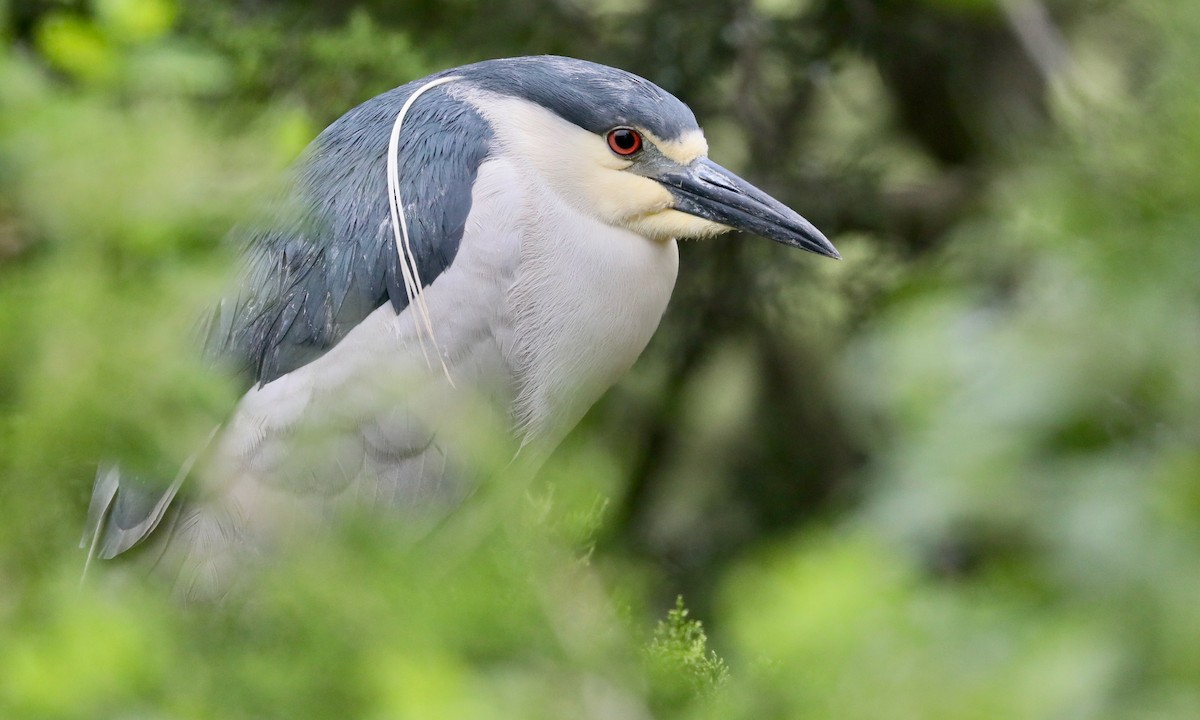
[324, 262]
[329, 258]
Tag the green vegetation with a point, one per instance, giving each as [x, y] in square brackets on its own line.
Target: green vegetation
[955, 475]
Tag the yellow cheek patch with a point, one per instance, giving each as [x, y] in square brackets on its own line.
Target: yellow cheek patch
[618, 196]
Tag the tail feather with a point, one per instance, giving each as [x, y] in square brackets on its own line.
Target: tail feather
[125, 509]
[108, 479]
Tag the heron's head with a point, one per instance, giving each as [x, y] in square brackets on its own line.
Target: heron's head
[623, 149]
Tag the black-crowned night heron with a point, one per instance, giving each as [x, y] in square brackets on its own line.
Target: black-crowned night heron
[505, 230]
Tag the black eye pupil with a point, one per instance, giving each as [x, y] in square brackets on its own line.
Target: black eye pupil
[624, 139]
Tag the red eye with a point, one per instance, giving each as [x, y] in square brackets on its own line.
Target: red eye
[624, 142]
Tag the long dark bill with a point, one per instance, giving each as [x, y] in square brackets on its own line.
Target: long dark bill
[707, 190]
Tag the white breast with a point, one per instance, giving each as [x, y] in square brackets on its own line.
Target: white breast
[587, 299]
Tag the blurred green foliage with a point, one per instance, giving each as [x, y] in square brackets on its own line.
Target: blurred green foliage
[679, 652]
[955, 475]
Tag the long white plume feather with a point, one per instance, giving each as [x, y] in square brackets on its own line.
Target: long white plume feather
[413, 287]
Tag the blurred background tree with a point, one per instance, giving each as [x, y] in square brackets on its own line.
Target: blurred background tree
[956, 474]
